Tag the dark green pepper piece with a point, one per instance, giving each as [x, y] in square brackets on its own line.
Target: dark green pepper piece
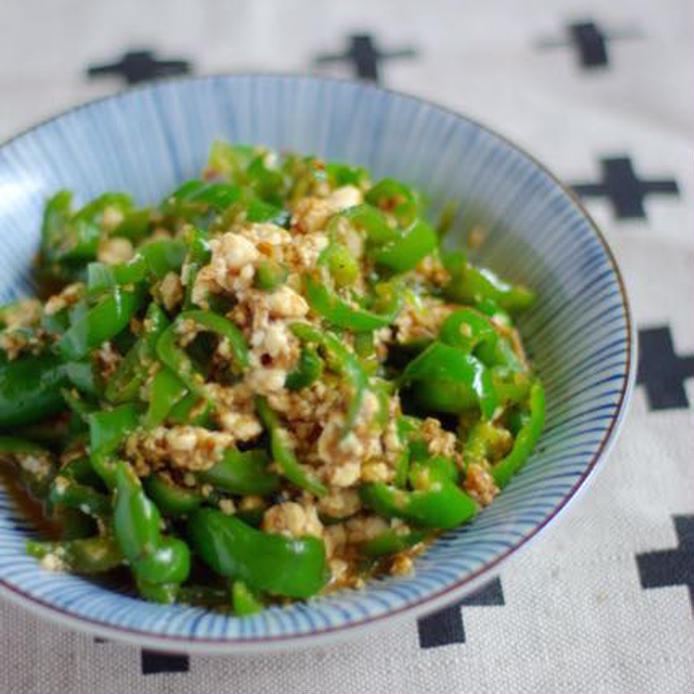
[170, 498]
[279, 565]
[91, 555]
[242, 472]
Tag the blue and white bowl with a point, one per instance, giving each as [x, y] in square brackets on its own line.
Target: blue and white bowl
[146, 141]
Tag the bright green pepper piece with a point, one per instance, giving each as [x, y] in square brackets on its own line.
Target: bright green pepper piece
[339, 313]
[391, 542]
[70, 493]
[279, 565]
[135, 225]
[395, 197]
[442, 506]
[526, 439]
[107, 430]
[340, 359]
[98, 325]
[371, 222]
[466, 329]
[243, 599]
[448, 380]
[405, 252]
[153, 558]
[170, 498]
[270, 274]
[340, 174]
[282, 453]
[30, 390]
[342, 265]
[242, 472]
[167, 389]
[308, 370]
[471, 285]
[91, 555]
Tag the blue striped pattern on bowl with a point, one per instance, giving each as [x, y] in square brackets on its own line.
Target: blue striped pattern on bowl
[148, 140]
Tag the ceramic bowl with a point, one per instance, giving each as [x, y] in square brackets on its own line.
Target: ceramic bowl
[147, 140]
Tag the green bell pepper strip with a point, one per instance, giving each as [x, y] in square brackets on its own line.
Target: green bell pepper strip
[107, 431]
[393, 196]
[166, 390]
[124, 385]
[80, 470]
[56, 216]
[471, 285]
[342, 265]
[282, 453]
[261, 211]
[340, 174]
[98, 324]
[180, 363]
[339, 313]
[442, 506]
[243, 599]
[526, 439]
[491, 309]
[371, 222]
[135, 225]
[391, 542]
[308, 370]
[230, 160]
[449, 380]
[342, 360]
[279, 565]
[466, 329]
[270, 274]
[192, 409]
[424, 473]
[163, 593]
[73, 494]
[242, 472]
[511, 386]
[155, 559]
[406, 427]
[170, 498]
[102, 277]
[405, 252]
[91, 555]
[30, 390]
[154, 260]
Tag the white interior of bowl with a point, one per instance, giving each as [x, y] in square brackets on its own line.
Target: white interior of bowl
[149, 140]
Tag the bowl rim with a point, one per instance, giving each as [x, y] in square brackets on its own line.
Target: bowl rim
[425, 605]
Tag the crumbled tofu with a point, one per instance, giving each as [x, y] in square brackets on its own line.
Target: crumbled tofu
[401, 565]
[364, 528]
[344, 197]
[439, 441]
[69, 296]
[292, 519]
[242, 426]
[479, 484]
[115, 250]
[112, 217]
[22, 314]
[340, 503]
[171, 290]
[227, 506]
[286, 303]
[421, 319]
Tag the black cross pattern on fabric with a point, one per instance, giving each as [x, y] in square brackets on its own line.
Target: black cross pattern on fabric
[154, 662]
[671, 567]
[590, 41]
[624, 189]
[365, 56]
[140, 66]
[661, 371]
[446, 627]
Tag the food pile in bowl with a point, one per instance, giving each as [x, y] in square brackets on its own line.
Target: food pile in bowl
[273, 384]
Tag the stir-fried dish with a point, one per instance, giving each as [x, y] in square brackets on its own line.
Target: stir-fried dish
[272, 384]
